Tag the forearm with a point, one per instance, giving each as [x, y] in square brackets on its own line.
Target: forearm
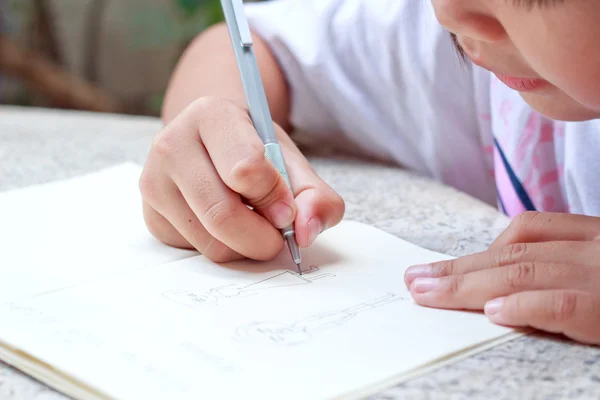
[208, 68]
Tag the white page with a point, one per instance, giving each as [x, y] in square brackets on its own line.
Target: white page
[192, 329]
[65, 232]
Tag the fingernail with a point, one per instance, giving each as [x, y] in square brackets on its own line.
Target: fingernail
[424, 285]
[493, 306]
[418, 271]
[314, 229]
[281, 214]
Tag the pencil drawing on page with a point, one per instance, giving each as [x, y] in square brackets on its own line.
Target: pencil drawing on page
[302, 330]
[214, 296]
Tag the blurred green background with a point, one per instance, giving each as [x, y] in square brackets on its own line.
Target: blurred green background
[100, 55]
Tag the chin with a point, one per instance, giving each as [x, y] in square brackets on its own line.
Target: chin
[560, 107]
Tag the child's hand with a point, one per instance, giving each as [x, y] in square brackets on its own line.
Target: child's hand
[204, 169]
[542, 272]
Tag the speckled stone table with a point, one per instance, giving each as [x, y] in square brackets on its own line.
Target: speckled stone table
[41, 145]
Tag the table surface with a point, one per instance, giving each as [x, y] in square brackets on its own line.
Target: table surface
[38, 145]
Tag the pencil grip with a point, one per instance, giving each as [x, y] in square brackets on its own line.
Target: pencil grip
[274, 154]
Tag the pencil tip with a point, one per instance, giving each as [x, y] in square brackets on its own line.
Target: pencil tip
[299, 269]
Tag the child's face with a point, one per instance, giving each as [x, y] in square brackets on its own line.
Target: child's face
[554, 44]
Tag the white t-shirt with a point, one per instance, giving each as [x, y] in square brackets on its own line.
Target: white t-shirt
[384, 76]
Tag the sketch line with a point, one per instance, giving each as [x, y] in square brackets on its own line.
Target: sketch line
[212, 297]
[303, 330]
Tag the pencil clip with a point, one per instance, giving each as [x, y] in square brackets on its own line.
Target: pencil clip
[242, 23]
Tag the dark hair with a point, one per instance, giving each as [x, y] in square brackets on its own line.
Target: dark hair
[459, 49]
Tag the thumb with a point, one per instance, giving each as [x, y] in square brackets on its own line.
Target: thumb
[314, 204]
[319, 207]
[273, 198]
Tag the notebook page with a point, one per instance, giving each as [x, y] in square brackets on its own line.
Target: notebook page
[66, 232]
[193, 329]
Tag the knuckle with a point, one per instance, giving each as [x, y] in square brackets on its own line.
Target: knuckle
[216, 108]
[456, 285]
[154, 225]
[517, 306]
[516, 230]
[164, 145]
[220, 212]
[246, 173]
[519, 225]
[148, 187]
[525, 219]
[211, 103]
[510, 254]
[444, 268]
[520, 275]
[162, 229]
[564, 305]
[271, 192]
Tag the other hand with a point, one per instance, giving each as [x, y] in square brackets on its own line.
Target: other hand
[542, 272]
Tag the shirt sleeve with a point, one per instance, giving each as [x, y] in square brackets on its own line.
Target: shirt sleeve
[382, 75]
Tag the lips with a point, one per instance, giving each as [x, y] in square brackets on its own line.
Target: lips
[522, 84]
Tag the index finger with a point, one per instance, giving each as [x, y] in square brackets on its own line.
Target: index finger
[222, 212]
[238, 154]
[572, 253]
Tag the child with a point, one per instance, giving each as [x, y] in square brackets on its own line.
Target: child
[513, 124]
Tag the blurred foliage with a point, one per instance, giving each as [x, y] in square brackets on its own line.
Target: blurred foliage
[174, 23]
[189, 17]
[192, 6]
[157, 30]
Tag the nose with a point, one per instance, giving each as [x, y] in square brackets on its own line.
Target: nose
[471, 19]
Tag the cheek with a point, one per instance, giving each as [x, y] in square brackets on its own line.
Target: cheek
[577, 76]
[567, 54]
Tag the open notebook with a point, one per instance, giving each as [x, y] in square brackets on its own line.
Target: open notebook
[104, 311]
